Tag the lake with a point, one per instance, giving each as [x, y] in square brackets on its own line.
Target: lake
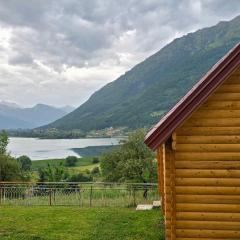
[38, 149]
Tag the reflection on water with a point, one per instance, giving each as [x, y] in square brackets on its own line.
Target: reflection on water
[38, 149]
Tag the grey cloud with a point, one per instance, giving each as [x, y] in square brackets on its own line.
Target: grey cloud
[21, 59]
[50, 36]
[72, 32]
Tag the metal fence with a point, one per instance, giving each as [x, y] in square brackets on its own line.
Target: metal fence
[78, 194]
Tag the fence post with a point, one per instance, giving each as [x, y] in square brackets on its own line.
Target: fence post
[50, 197]
[134, 196]
[91, 192]
[1, 194]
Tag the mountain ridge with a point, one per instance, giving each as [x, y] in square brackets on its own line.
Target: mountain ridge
[13, 116]
[143, 94]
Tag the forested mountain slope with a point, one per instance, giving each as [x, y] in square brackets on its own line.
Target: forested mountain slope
[140, 96]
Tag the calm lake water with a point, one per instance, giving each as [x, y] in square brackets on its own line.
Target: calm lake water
[38, 149]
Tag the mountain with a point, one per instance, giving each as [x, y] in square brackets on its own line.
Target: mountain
[12, 116]
[140, 96]
[67, 108]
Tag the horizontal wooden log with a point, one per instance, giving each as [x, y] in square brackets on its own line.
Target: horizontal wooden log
[208, 225]
[199, 207]
[206, 173]
[234, 165]
[207, 156]
[208, 131]
[217, 199]
[223, 182]
[225, 97]
[216, 113]
[212, 122]
[229, 88]
[182, 238]
[234, 79]
[207, 216]
[236, 72]
[194, 233]
[228, 105]
[208, 147]
[192, 190]
[208, 139]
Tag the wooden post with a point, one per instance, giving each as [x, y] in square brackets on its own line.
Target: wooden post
[50, 197]
[160, 156]
[1, 194]
[91, 192]
[134, 196]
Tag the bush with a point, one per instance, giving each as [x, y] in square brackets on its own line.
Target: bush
[80, 177]
[25, 162]
[95, 170]
[71, 161]
[95, 160]
[53, 173]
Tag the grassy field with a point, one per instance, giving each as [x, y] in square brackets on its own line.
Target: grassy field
[82, 162]
[83, 168]
[73, 223]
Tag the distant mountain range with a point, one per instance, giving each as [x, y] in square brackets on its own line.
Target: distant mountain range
[13, 116]
[142, 95]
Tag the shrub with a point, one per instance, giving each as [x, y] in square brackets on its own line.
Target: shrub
[53, 173]
[80, 177]
[71, 161]
[95, 160]
[95, 170]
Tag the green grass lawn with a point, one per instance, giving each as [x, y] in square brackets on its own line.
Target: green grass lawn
[73, 223]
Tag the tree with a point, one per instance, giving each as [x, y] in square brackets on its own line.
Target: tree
[71, 161]
[3, 142]
[131, 161]
[9, 168]
[25, 163]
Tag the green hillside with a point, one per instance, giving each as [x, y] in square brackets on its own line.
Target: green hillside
[140, 96]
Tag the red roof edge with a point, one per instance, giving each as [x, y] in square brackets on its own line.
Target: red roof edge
[194, 98]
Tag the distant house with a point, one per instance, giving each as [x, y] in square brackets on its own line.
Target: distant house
[198, 149]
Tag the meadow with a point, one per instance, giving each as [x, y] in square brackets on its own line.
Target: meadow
[74, 223]
[81, 162]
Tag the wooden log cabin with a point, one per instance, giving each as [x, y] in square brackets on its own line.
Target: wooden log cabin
[198, 153]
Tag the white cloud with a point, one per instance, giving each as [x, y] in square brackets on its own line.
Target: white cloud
[59, 52]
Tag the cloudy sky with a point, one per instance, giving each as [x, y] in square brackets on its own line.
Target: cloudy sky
[58, 52]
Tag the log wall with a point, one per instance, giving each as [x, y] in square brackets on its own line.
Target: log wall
[202, 170]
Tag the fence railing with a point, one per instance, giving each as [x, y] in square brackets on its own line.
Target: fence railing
[79, 194]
